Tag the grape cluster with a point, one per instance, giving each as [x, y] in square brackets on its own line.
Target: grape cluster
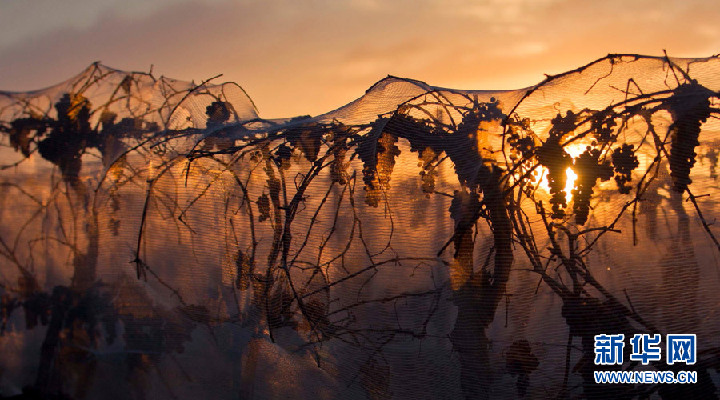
[377, 151]
[690, 107]
[556, 160]
[552, 155]
[624, 162]
[589, 169]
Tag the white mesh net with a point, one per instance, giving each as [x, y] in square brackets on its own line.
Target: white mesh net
[160, 240]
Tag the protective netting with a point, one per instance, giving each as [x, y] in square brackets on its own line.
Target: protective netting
[160, 240]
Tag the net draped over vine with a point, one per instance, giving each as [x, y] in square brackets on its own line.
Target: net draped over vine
[158, 239]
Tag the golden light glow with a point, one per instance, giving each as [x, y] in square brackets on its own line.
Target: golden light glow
[570, 183]
[575, 149]
[540, 176]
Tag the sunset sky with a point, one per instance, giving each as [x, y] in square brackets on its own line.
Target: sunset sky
[308, 57]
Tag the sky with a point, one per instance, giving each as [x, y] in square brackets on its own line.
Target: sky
[309, 57]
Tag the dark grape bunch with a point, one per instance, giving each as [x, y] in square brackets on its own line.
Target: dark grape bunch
[552, 155]
[690, 107]
[423, 140]
[377, 151]
[522, 144]
[218, 113]
[589, 169]
[624, 162]
[556, 160]
[71, 134]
